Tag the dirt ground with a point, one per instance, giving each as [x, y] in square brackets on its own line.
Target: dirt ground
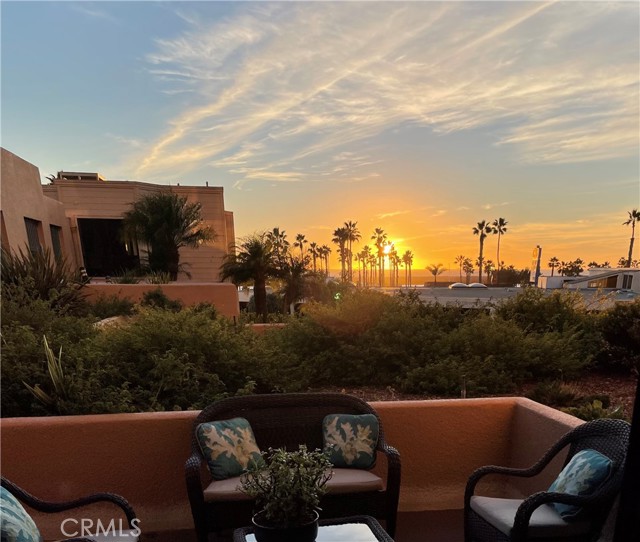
[620, 389]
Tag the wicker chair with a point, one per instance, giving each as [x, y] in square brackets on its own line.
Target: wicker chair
[510, 520]
[288, 420]
[54, 507]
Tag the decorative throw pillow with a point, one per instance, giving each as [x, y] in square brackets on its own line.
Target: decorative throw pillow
[17, 525]
[351, 439]
[581, 476]
[229, 447]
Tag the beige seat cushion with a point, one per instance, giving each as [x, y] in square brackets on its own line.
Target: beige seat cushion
[342, 481]
[545, 521]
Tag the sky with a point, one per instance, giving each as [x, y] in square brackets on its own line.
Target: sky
[421, 118]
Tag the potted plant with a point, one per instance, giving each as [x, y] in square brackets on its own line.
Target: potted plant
[287, 487]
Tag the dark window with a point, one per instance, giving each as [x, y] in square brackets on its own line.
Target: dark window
[33, 234]
[627, 280]
[103, 249]
[56, 240]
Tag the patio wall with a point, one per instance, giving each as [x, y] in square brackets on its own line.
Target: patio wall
[222, 295]
[141, 456]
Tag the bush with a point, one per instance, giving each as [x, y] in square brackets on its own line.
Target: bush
[620, 329]
[39, 275]
[106, 306]
[158, 299]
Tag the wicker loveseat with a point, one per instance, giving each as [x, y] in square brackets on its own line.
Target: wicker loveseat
[289, 420]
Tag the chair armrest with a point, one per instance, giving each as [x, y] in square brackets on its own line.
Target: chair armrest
[45, 506]
[531, 503]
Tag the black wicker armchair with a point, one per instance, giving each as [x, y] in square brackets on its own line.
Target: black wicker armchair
[288, 420]
[517, 520]
[53, 507]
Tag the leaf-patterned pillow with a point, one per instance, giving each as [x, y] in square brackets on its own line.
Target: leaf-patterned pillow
[229, 447]
[351, 439]
[17, 525]
[581, 476]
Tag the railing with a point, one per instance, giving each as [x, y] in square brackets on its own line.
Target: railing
[141, 456]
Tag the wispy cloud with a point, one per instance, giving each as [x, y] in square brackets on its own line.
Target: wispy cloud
[91, 10]
[489, 206]
[132, 142]
[295, 91]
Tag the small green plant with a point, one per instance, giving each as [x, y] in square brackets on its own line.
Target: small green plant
[126, 276]
[158, 277]
[554, 394]
[593, 411]
[106, 306]
[38, 275]
[58, 379]
[157, 299]
[287, 486]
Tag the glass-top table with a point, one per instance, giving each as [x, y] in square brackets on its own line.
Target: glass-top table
[351, 529]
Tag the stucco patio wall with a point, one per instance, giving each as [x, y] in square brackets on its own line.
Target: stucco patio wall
[141, 456]
[223, 296]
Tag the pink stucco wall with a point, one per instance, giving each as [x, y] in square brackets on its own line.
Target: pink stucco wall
[141, 456]
[223, 295]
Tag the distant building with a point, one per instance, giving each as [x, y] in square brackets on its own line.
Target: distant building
[80, 215]
[604, 279]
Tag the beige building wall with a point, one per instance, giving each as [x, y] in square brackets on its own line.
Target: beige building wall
[21, 197]
[111, 199]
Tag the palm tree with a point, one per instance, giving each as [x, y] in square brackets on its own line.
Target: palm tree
[499, 228]
[324, 254]
[314, 251]
[489, 268]
[482, 229]
[460, 259]
[467, 267]
[294, 275]
[553, 263]
[435, 270]
[380, 240]
[166, 222]
[353, 235]
[365, 257]
[634, 216]
[407, 258]
[254, 259]
[300, 241]
[280, 244]
[340, 238]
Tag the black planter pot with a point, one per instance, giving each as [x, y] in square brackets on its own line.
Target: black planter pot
[302, 533]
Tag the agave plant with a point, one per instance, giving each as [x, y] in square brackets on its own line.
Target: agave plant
[58, 379]
[38, 275]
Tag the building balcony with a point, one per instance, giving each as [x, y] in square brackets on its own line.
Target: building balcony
[142, 456]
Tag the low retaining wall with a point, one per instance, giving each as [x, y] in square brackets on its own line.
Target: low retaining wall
[141, 456]
[222, 295]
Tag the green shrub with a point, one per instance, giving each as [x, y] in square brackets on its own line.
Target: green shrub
[553, 393]
[159, 300]
[39, 275]
[158, 277]
[126, 276]
[620, 329]
[106, 306]
[593, 410]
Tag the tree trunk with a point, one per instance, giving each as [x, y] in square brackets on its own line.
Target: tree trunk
[260, 297]
[480, 260]
[630, 251]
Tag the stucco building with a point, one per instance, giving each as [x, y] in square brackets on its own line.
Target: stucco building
[80, 214]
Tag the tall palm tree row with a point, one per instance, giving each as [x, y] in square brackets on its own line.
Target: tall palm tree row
[499, 226]
[407, 258]
[482, 229]
[340, 238]
[353, 235]
[379, 238]
[634, 217]
[460, 259]
[166, 222]
[300, 241]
